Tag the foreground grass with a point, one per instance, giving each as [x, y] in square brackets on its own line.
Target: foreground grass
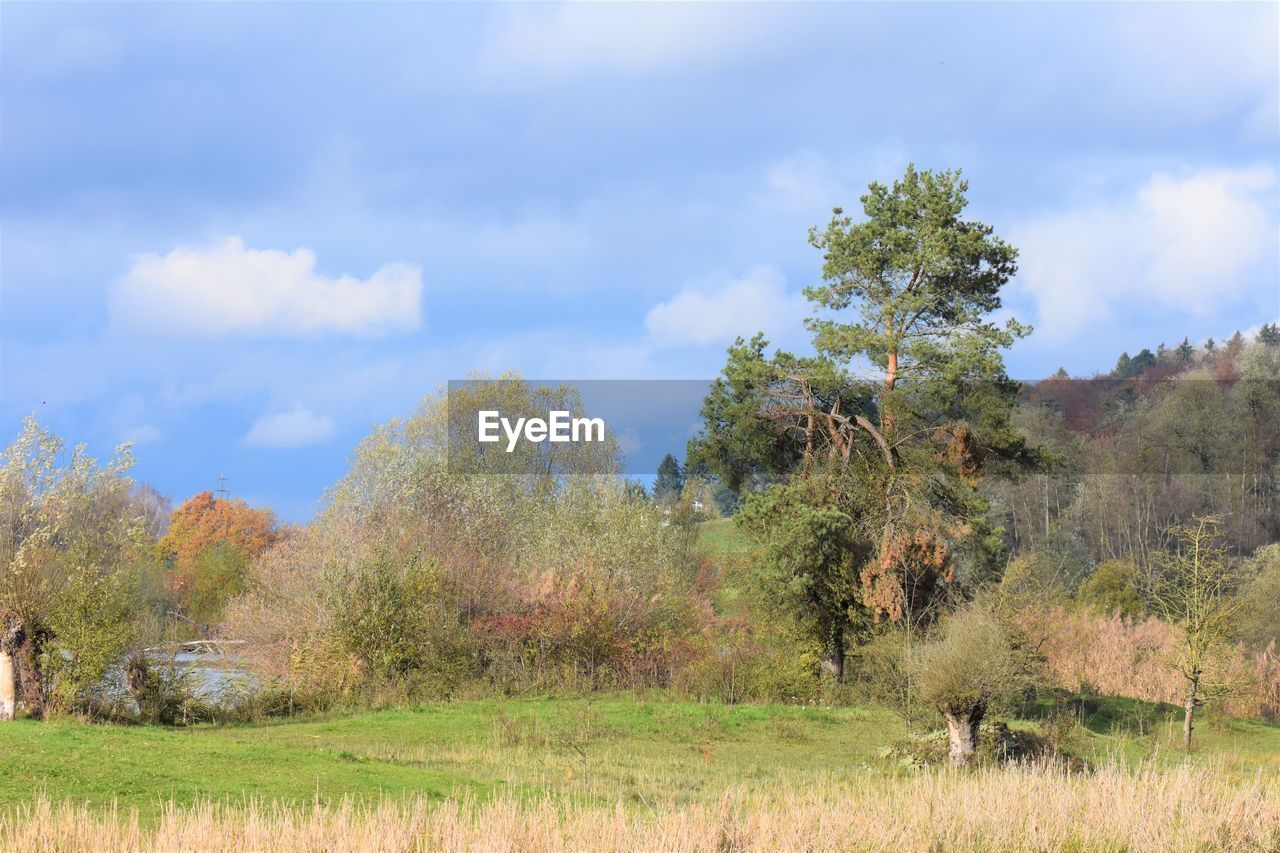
[1149, 808]
[647, 753]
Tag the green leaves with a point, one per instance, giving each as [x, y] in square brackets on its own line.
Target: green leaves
[921, 279]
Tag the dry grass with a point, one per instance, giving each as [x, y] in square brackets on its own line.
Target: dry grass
[1148, 808]
[1115, 656]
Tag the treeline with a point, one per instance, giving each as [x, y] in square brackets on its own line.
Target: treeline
[1161, 438]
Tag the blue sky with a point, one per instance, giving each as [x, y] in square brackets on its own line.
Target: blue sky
[242, 234]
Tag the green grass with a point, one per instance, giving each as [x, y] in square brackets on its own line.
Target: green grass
[721, 538]
[647, 751]
[721, 542]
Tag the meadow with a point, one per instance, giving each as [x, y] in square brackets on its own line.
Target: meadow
[624, 771]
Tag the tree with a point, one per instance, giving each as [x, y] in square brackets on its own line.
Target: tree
[898, 456]
[1259, 622]
[808, 553]
[923, 282]
[154, 507]
[1269, 334]
[1127, 368]
[68, 551]
[1185, 350]
[966, 667]
[1194, 588]
[202, 526]
[1112, 589]
[1235, 345]
[670, 480]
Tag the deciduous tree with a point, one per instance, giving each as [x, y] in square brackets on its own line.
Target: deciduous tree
[1195, 588]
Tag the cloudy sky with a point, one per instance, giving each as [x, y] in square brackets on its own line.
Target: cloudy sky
[239, 235]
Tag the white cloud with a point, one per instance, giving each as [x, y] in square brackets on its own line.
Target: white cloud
[228, 289]
[142, 434]
[628, 38]
[717, 313]
[290, 429]
[1186, 244]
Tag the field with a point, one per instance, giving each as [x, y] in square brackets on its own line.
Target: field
[562, 772]
[630, 770]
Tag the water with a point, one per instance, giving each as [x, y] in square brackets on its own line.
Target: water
[214, 674]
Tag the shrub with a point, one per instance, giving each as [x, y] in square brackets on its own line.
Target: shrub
[400, 624]
[1111, 589]
[1115, 656]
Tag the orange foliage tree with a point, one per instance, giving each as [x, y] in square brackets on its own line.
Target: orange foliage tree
[203, 523]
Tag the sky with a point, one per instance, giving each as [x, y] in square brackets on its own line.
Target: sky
[240, 235]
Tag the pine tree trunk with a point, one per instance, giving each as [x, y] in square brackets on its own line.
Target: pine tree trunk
[962, 726]
[8, 687]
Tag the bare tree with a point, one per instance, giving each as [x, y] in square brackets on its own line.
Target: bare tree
[1194, 587]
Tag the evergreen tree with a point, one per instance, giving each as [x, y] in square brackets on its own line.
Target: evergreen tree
[670, 480]
[892, 463]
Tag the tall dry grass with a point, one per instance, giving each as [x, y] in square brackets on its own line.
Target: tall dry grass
[1029, 808]
[1116, 656]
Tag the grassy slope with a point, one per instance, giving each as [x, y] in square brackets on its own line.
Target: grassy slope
[647, 752]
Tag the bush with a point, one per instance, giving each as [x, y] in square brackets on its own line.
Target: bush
[1115, 656]
[400, 624]
[1112, 589]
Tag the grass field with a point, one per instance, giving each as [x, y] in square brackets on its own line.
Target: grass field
[623, 747]
[643, 772]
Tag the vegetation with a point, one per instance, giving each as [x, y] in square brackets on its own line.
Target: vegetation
[643, 749]
[925, 560]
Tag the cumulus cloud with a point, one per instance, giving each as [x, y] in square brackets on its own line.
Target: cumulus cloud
[1187, 244]
[294, 428]
[229, 289]
[626, 38]
[717, 313]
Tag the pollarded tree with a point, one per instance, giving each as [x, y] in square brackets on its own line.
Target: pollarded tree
[68, 547]
[968, 665]
[1195, 587]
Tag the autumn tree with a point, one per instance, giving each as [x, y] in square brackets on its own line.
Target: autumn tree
[1194, 587]
[68, 547]
[207, 545]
